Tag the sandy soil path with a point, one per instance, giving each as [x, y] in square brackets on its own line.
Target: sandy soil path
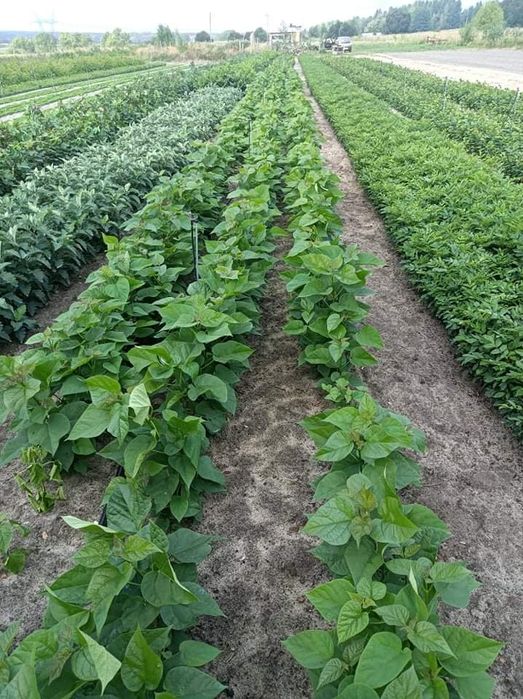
[473, 472]
[501, 68]
[261, 570]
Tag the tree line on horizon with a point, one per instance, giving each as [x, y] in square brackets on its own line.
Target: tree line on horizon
[49, 42]
[419, 16]
[490, 18]
[165, 36]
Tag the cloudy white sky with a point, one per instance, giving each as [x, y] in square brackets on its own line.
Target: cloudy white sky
[191, 15]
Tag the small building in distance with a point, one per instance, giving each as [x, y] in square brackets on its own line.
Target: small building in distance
[290, 38]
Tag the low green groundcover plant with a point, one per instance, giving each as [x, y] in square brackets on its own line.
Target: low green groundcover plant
[12, 558]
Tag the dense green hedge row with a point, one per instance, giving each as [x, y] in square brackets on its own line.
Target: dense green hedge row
[482, 132]
[53, 222]
[17, 93]
[456, 221]
[492, 100]
[31, 71]
[163, 360]
[384, 637]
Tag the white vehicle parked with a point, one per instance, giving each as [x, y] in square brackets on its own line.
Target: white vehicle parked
[343, 44]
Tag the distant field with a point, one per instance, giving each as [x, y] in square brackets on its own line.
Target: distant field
[32, 72]
[14, 104]
[417, 41]
[429, 41]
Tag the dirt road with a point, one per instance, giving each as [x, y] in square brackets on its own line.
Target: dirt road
[498, 67]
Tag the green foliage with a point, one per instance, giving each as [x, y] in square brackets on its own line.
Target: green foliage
[417, 16]
[397, 21]
[12, 558]
[384, 633]
[513, 12]
[117, 39]
[45, 42]
[30, 72]
[202, 37]
[165, 36]
[490, 20]
[231, 35]
[71, 41]
[261, 35]
[28, 97]
[456, 221]
[22, 44]
[54, 221]
[128, 368]
[499, 138]
[45, 137]
[467, 33]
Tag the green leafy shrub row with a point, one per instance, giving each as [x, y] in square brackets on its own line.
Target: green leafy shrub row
[456, 221]
[112, 312]
[500, 139]
[117, 622]
[31, 98]
[384, 637]
[46, 137]
[53, 222]
[480, 97]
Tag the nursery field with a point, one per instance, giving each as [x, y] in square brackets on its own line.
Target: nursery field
[19, 74]
[14, 105]
[43, 138]
[260, 403]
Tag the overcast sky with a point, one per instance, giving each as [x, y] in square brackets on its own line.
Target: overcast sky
[191, 15]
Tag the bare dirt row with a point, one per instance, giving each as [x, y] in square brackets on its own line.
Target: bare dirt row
[261, 570]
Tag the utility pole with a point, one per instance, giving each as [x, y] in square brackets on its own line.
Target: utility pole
[210, 26]
[267, 21]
